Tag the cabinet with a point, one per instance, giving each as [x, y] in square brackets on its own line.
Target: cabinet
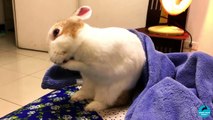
[33, 18]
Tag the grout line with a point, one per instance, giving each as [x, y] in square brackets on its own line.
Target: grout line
[31, 74]
[35, 77]
[11, 102]
[11, 62]
[8, 70]
[19, 53]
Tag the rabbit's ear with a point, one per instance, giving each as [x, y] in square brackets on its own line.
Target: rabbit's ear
[83, 12]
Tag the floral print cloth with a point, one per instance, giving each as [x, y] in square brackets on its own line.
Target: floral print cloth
[54, 106]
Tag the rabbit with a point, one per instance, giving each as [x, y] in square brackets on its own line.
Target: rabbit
[110, 60]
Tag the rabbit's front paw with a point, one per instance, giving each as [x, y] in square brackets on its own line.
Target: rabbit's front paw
[78, 96]
[73, 65]
[95, 106]
[57, 56]
[65, 65]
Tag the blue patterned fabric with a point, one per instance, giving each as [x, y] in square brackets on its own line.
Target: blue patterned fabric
[54, 106]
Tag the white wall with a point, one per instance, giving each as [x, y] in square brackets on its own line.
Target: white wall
[1, 12]
[200, 24]
[121, 13]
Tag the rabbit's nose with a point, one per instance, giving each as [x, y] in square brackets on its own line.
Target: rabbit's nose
[56, 32]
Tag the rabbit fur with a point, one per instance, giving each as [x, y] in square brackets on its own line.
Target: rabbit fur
[110, 60]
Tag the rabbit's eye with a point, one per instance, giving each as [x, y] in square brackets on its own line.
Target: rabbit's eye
[56, 32]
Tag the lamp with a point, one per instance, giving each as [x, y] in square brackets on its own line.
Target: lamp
[175, 7]
[172, 7]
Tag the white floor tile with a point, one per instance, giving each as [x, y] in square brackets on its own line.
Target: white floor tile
[39, 74]
[7, 57]
[8, 76]
[30, 53]
[43, 56]
[23, 91]
[1, 51]
[7, 107]
[8, 48]
[21, 74]
[28, 66]
[7, 42]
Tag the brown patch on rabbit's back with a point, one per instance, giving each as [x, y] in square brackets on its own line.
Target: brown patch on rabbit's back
[73, 27]
[70, 27]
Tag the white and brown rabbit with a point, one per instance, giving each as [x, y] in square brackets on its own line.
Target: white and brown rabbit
[110, 60]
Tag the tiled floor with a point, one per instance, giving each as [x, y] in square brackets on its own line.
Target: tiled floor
[21, 73]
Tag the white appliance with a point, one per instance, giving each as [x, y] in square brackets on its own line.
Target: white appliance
[33, 18]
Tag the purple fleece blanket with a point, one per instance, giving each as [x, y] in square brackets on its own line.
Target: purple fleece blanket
[57, 78]
[172, 86]
[178, 84]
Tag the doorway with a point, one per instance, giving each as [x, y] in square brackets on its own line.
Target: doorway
[7, 29]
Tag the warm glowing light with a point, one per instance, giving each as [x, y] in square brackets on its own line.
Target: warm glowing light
[175, 7]
[168, 30]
